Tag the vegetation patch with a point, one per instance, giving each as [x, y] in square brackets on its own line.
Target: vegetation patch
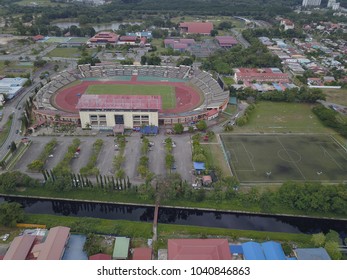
[90, 168]
[38, 164]
[63, 167]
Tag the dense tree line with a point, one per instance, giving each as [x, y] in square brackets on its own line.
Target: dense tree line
[257, 55]
[304, 95]
[304, 197]
[331, 118]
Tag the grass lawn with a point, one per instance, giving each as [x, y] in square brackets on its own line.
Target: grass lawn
[40, 3]
[231, 109]
[214, 19]
[215, 157]
[14, 68]
[228, 80]
[158, 43]
[5, 130]
[278, 117]
[165, 231]
[65, 52]
[338, 96]
[166, 92]
[288, 157]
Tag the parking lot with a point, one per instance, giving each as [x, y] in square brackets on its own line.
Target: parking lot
[132, 154]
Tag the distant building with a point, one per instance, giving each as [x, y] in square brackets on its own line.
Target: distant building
[142, 254]
[306, 3]
[269, 250]
[103, 38]
[287, 24]
[203, 28]
[311, 254]
[121, 248]
[10, 87]
[127, 40]
[31, 247]
[226, 41]
[179, 44]
[38, 38]
[198, 249]
[260, 75]
[100, 256]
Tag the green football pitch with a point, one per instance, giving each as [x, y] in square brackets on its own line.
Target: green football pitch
[167, 93]
[278, 158]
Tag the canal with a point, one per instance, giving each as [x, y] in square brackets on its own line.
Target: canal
[181, 216]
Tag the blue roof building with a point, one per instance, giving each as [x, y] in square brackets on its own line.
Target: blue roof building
[269, 250]
[253, 251]
[199, 165]
[236, 249]
[273, 251]
[311, 254]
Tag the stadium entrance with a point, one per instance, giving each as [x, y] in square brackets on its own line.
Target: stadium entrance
[119, 119]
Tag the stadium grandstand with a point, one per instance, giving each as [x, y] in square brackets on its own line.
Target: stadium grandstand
[198, 96]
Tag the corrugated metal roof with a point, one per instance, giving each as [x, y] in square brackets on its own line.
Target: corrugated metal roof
[253, 251]
[54, 245]
[100, 257]
[20, 247]
[142, 254]
[312, 254]
[198, 249]
[273, 250]
[197, 27]
[121, 248]
[127, 102]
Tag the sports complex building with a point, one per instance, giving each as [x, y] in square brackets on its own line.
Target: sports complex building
[110, 96]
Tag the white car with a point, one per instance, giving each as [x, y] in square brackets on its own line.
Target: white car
[5, 237]
[50, 156]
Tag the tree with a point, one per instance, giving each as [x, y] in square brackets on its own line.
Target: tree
[201, 125]
[13, 147]
[214, 32]
[333, 250]
[318, 239]
[7, 62]
[178, 128]
[11, 213]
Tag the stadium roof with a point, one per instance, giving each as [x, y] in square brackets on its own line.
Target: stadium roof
[312, 254]
[197, 27]
[142, 254]
[119, 102]
[198, 249]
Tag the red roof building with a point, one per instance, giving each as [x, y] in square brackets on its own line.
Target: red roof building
[198, 249]
[119, 102]
[38, 38]
[102, 38]
[226, 41]
[203, 28]
[127, 39]
[260, 75]
[20, 247]
[100, 256]
[142, 254]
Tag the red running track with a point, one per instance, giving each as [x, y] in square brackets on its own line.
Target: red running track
[187, 98]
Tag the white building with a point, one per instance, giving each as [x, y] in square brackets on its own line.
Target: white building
[11, 86]
[306, 3]
[336, 6]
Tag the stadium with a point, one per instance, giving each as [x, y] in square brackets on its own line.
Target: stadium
[117, 97]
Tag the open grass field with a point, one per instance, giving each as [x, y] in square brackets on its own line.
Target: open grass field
[167, 93]
[15, 68]
[214, 19]
[67, 52]
[276, 158]
[338, 96]
[215, 158]
[278, 117]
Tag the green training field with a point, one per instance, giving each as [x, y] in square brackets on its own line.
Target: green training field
[278, 158]
[167, 93]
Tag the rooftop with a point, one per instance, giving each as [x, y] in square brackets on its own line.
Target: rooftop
[198, 249]
[197, 27]
[142, 254]
[119, 102]
[312, 254]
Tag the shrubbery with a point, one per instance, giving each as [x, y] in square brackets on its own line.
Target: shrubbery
[90, 168]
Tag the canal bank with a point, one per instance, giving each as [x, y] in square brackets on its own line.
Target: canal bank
[179, 216]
